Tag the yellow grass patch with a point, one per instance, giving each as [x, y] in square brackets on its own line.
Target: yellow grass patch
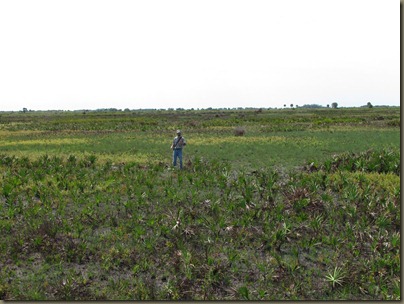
[387, 181]
[54, 141]
[4, 133]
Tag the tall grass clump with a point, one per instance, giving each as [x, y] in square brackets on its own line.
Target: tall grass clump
[384, 161]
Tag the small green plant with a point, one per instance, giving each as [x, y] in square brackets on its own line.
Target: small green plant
[337, 276]
[317, 223]
[244, 293]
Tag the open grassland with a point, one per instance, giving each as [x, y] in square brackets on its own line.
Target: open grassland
[302, 204]
[286, 138]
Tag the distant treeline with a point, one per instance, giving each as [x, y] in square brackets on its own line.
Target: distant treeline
[305, 106]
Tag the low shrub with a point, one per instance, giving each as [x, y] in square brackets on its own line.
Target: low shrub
[239, 131]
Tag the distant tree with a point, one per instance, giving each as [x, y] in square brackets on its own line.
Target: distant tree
[284, 105]
[334, 105]
[312, 106]
[369, 105]
[25, 110]
[291, 105]
[328, 106]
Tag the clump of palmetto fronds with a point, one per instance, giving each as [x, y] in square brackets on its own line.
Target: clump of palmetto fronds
[77, 228]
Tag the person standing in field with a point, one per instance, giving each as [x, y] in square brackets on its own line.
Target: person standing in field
[177, 145]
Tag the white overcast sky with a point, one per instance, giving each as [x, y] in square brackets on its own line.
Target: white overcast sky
[92, 54]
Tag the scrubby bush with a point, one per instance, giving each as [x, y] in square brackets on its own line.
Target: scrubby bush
[239, 131]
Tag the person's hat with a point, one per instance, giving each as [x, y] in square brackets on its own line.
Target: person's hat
[178, 131]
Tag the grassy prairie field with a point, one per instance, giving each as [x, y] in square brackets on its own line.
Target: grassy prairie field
[273, 137]
[299, 204]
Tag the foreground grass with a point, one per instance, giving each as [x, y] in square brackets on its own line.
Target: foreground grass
[76, 228]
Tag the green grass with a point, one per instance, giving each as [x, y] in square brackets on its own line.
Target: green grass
[254, 150]
[92, 210]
